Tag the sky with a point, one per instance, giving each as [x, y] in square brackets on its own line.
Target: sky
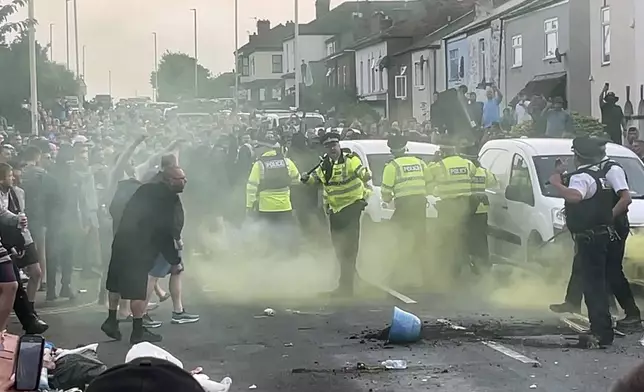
[118, 36]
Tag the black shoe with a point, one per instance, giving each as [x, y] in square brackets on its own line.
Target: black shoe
[565, 308]
[111, 329]
[67, 292]
[630, 323]
[592, 341]
[145, 336]
[36, 327]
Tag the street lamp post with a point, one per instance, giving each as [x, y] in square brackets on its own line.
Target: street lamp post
[76, 40]
[84, 61]
[296, 55]
[67, 31]
[236, 56]
[196, 58]
[155, 91]
[51, 42]
[33, 82]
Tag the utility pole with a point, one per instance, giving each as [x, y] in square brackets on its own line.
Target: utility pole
[155, 91]
[84, 61]
[196, 58]
[51, 42]
[76, 40]
[236, 56]
[67, 31]
[296, 55]
[33, 81]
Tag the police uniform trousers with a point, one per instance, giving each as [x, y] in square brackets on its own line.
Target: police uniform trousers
[617, 283]
[453, 217]
[281, 233]
[411, 228]
[345, 236]
[592, 255]
[477, 238]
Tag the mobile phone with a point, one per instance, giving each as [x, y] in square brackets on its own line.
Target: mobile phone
[28, 362]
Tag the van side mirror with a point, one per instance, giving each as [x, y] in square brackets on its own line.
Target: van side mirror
[520, 194]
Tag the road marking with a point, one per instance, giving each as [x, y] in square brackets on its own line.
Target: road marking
[395, 294]
[511, 353]
[451, 324]
[587, 321]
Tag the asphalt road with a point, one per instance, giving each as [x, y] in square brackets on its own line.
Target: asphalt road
[315, 344]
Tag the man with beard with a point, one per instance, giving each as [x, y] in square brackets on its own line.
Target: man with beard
[146, 230]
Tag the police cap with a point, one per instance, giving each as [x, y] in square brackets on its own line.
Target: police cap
[396, 142]
[330, 137]
[588, 147]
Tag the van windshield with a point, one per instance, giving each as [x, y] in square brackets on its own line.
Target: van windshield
[545, 166]
[377, 164]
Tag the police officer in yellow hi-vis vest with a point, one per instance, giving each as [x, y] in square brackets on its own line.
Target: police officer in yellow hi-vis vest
[451, 181]
[405, 179]
[268, 192]
[478, 246]
[343, 179]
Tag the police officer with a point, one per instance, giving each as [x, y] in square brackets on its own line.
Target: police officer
[477, 227]
[343, 179]
[405, 180]
[617, 282]
[451, 180]
[268, 189]
[589, 217]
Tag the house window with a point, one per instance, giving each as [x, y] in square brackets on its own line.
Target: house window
[330, 77]
[277, 63]
[421, 80]
[551, 29]
[245, 69]
[362, 89]
[252, 66]
[401, 87]
[453, 64]
[373, 75]
[344, 76]
[381, 77]
[517, 51]
[288, 62]
[481, 64]
[262, 94]
[605, 14]
[330, 48]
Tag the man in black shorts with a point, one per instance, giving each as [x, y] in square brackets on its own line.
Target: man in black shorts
[146, 230]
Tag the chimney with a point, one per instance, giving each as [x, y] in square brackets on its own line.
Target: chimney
[386, 23]
[322, 7]
[483, 8]
[376, 22]
[263, 26]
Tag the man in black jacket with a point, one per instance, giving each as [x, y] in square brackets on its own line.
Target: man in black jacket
[147, 229]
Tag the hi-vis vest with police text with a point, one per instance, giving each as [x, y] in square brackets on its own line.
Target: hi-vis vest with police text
[273, 173]
[452, 177]
[268, 187]
[404, 176]
[342, 181]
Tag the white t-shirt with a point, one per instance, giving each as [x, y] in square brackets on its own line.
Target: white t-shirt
[585, 184]
[521, 113]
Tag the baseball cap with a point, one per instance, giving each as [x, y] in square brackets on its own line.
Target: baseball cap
[145, 374]
[586, 146]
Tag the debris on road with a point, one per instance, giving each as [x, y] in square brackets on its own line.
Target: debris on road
[394, 364]
[288, 344]
[252, 386]
[269, 312]
[533, 386]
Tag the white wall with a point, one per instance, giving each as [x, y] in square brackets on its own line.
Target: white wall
[477, 71]
[363, 72]
[263, 66]
[422, 97]
[311, 48]
[627, 50]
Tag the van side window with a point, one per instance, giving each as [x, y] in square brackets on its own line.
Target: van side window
[496, 161]
[520, 175]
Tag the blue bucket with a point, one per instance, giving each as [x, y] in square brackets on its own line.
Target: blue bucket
[405, 327]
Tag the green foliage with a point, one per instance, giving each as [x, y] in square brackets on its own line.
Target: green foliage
[7, 27]
[54, 80]
[177, 79]
[584, 125]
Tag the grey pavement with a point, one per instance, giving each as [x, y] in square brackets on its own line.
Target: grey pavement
[314, 344]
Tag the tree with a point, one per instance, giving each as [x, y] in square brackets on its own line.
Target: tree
[54, 80]
[221, 86]
[6, 27]
[177, 77]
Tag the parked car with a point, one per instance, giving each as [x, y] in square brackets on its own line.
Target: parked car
[374, 154]
[524, 210]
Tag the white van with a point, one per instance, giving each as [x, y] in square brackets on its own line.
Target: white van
[374, 154]
[524, 211]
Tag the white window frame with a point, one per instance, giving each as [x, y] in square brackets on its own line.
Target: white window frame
[373, 75]
[262, 94]
[381, 77]
[451, 75]
[362, 86]
[400, 94]
[482, 59]
[551, 28]
[421, 83]
[605, 34]
[330, 48]
[517, 51]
